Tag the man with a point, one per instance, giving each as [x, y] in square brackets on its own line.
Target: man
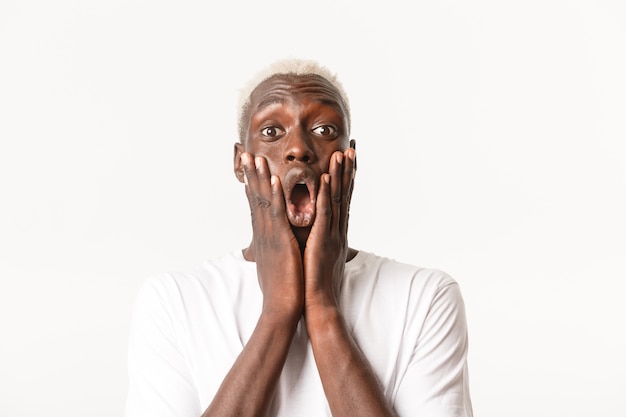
[299, 323]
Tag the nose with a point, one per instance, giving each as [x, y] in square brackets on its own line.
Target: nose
[298, 148]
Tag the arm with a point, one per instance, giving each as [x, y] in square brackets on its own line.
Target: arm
[350, 385]
[349, 382]
[249, 386]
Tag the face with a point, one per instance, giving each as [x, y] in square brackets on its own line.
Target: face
[296, 123]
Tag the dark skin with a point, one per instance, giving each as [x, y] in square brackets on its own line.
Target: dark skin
[298, 165]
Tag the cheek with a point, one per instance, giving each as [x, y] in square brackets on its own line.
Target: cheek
[273, 161]
[272, 154]
[274, 168]
[327, 153]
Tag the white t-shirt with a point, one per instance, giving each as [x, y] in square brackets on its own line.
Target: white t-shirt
[188, 329]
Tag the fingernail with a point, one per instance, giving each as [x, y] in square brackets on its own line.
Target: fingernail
[273, 179]
[245, 178]
[339, 157]
[245, 158]
[257, 161]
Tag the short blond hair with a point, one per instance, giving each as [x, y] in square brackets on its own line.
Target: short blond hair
[289, 66]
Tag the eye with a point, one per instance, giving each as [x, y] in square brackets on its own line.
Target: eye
[272, 131]
[325, 130]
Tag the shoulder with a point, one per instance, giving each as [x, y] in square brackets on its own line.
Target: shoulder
[398, 290]
[370, 268]
[214, 278]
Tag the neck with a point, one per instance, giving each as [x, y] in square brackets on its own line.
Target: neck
[301, 234]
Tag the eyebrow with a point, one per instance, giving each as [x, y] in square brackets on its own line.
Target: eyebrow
[331, 103]
[269, 101]
[281, 100]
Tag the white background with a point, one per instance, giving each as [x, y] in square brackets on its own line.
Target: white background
[491, 144]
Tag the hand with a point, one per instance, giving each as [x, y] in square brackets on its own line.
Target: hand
[327, 246]
[276, 250]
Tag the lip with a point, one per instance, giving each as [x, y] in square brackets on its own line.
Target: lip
[302, 215]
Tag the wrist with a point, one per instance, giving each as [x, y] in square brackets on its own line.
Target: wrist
[321, 297]
[281, 313]
[321, 319]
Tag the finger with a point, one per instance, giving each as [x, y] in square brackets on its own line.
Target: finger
[263, 197]
[263, 182]
[278, 212]
[324, 211]
[349, 171]
[253, 192]
[249, 177]
[336, 169]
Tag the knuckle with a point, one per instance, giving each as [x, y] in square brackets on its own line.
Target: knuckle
[260, 202]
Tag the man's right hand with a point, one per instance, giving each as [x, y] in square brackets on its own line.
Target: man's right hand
[248, 389]
[275, 248]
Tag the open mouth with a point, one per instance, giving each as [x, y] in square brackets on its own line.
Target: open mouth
[300, 196]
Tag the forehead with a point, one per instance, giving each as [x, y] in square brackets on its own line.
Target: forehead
[287, 88]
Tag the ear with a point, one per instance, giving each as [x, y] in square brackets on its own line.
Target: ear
[237, 167]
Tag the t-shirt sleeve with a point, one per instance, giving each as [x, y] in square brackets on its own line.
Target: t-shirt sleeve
[160, 383]
[435, 383]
